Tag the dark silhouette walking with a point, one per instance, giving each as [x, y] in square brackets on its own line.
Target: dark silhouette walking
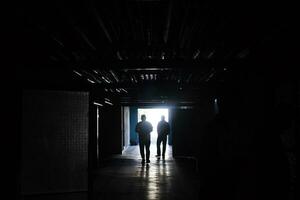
[144, 129]
[163, 129]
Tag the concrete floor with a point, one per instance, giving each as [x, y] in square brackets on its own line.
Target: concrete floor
[124, 177]
[133, 152]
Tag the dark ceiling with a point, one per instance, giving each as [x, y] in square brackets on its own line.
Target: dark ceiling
[174, 48]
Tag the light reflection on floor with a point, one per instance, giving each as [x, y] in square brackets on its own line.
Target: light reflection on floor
[124, 177]
[133, 152]
[154, 176]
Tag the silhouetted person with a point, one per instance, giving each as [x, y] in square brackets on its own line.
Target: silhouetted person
[163, 129]
[144, 129]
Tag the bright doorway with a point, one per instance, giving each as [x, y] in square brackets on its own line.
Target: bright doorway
[153, 115]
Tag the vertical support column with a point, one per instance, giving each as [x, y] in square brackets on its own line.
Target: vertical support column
[92, 143]
[170, 139]
[122, 128]
[17, 125]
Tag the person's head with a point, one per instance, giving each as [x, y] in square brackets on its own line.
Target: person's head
[162, 118]
[143, 117]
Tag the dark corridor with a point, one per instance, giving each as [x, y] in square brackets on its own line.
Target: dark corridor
[82, 68]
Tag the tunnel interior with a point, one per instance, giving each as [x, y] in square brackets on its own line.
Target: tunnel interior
[221, 73]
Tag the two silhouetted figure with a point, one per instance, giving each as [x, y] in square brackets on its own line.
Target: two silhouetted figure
[144, 128]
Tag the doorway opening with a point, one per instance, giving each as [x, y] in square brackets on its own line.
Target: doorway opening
[153, 115]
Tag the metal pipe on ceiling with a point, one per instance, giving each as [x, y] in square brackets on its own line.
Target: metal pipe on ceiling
[85, 38]
[101, 23]
[90, 77]
[168, 23]
[114, 75]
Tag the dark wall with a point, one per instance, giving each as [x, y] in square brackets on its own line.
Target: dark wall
[110, 131]
[243, 154]
[188, 127]
[54, 141]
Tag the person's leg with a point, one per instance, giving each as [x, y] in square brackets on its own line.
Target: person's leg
[158, 145]
[141, 144]
[148, 151]
[164, 140]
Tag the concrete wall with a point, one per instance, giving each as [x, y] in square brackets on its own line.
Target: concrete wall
[54, 141]
[110, 131]
[242, 155]
[188, 128]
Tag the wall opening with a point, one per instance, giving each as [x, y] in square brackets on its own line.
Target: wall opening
[153, 115]
[125, 112]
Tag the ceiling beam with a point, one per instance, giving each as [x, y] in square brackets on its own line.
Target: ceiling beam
[168, 84]
[150, 64]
